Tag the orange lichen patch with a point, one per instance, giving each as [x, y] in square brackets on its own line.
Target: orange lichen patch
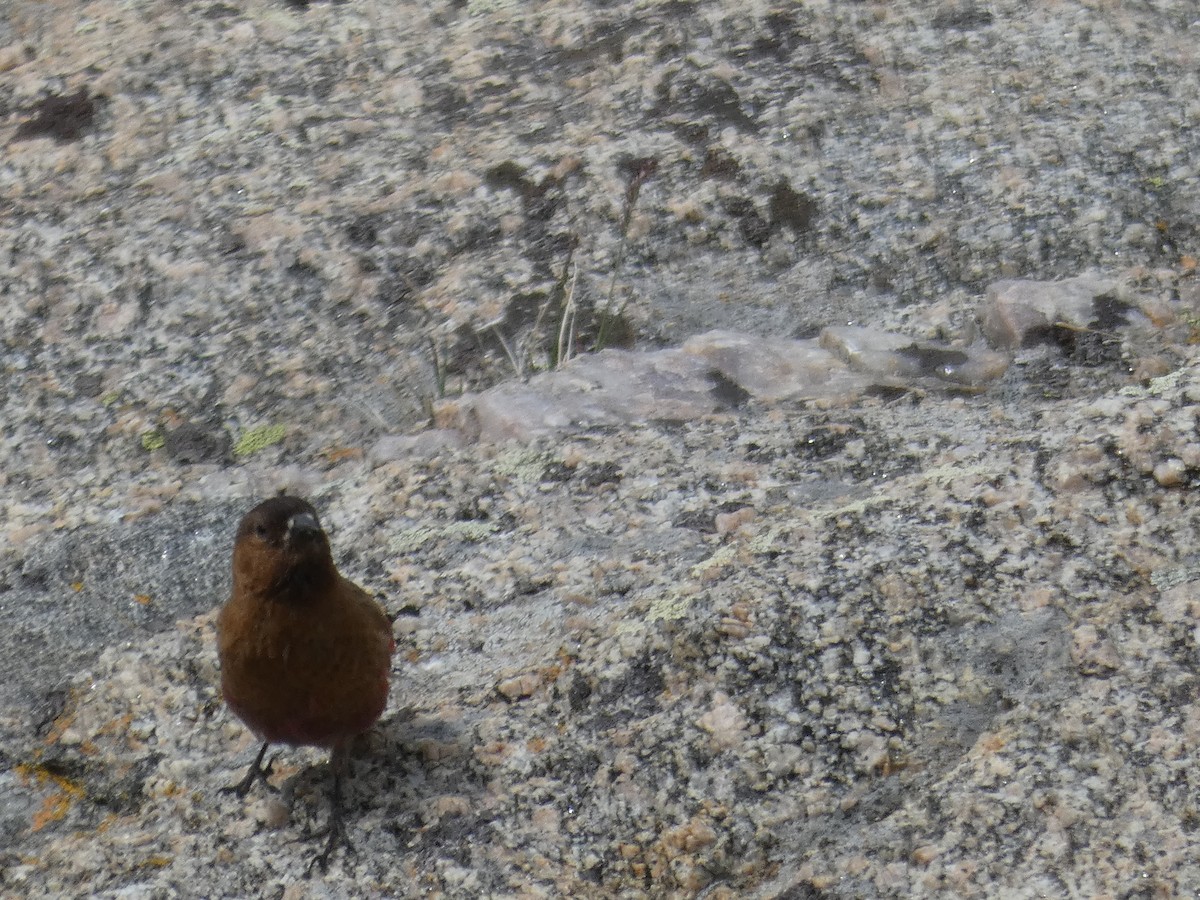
[53, 809]
[61, 724]
[552, 671]
[337, 454]
[107, 822]
[57, 804]
[143, 599]
[118, 725]
[77, 586]
[1188, 264]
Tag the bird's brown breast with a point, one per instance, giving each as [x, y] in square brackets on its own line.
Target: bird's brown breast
[312, 670]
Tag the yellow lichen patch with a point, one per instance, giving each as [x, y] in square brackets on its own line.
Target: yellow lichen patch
[260, 438]
[708, 569]
[523, 465]
[669, 608]
[153, 440]
[410, 539]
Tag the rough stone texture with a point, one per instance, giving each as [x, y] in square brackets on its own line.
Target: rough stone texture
[712, 372]
[1019, 311]
[892, 641]
[924, 646]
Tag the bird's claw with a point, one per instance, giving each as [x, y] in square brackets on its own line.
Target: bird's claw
[336, 831]
[256, 772]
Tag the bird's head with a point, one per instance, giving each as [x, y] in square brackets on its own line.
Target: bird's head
[281, 550]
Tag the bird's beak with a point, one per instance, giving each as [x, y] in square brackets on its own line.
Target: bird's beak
[303, 525]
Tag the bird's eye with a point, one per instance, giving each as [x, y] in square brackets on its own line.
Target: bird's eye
[260, 531]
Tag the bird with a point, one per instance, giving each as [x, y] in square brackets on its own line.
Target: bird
[305, 654]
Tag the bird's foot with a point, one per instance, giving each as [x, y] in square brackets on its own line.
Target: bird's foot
[256, 772]
[335, 835]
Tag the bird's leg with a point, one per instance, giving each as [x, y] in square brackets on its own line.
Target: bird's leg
[336, 829]
[257, 772]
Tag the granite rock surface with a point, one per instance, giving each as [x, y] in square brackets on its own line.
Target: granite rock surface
[833, 533]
